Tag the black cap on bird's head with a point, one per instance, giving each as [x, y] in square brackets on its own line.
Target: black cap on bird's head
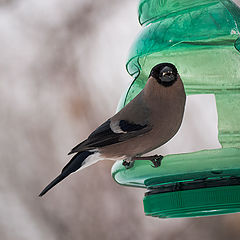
[164, 73]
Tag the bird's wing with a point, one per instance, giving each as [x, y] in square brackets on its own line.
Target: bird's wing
[133, 120]
[112, 132]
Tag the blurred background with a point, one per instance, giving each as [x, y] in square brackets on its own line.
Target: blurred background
[62, 72]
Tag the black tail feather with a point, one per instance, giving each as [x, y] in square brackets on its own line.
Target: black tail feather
[52, 184]
[73, 165]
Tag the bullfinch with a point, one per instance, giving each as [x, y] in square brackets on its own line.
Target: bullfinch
[151, 119]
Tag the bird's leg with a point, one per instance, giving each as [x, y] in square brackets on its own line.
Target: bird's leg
[156, 159]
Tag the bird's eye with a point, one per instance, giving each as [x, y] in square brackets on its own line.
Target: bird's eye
[167, 73]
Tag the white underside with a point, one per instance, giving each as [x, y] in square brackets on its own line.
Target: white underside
[94, 158]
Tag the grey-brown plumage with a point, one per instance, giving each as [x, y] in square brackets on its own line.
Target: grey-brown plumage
[151, 119]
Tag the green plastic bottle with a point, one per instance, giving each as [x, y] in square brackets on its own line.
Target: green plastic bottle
[202, 39]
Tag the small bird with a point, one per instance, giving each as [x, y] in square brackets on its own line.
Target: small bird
[151, 119]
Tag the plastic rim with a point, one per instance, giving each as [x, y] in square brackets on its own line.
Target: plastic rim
[193, 203]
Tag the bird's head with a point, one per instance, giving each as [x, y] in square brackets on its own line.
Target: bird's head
[165, 73]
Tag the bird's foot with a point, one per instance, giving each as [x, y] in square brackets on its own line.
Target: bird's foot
[157, 161]
[128, 164]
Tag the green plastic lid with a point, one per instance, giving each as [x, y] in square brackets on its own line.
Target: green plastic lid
[202, 39]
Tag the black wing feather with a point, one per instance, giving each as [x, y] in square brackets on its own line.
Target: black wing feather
[104, 136]
[129, 127]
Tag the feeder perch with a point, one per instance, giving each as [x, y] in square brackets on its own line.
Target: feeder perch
[202, 39]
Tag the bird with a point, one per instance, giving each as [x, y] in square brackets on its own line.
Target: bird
[147, 122]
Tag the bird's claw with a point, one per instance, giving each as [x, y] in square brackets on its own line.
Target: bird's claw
[128, 164]
[157, 162]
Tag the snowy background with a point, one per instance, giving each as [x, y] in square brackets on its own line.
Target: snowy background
[62, 72]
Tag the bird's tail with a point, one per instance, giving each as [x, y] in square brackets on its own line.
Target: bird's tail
[74, 164]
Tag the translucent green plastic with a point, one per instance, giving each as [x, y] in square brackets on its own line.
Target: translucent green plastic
[202, 39]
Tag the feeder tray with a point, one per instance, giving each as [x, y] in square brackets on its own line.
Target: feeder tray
[202, 39]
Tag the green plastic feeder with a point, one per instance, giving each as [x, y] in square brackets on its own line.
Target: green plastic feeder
[202, 39]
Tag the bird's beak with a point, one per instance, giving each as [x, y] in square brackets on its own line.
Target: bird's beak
[167, 77]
